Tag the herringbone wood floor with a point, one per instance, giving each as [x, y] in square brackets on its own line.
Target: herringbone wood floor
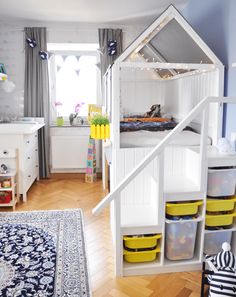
[70, 191]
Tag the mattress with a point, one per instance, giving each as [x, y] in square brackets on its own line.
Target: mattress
[145, 138]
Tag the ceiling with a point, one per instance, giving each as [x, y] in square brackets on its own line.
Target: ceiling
[86, 11]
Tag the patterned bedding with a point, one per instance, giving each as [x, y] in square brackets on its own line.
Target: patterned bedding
[148, 126]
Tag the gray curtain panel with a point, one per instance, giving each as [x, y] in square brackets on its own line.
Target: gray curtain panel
[36, 92]
[104, 35]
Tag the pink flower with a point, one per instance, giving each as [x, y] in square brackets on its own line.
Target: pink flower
[78, 106]
[58, 103]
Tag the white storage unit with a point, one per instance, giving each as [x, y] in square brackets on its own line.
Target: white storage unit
[221, 182]
[9, 181]
[24, 138]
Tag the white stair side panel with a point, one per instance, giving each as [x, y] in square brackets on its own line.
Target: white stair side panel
[178, 154]
[139, 205]
[139, 184]
[193, 166]
[137, 192]
[168, 161]
[174, 161]
[128, 164]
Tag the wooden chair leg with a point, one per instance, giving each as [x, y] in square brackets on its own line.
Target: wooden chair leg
[203, 277]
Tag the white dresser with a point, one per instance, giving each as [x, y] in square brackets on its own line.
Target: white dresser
[24, 137]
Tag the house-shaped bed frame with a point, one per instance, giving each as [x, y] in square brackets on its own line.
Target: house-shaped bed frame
[171, 65]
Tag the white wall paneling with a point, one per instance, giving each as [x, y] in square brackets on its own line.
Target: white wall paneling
[140, 89]
[138, 200]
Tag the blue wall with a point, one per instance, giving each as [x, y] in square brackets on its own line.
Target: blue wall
[215, 22]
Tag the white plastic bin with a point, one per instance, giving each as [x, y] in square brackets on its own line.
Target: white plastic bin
[221, 182]
[213, 241]
[180, 239]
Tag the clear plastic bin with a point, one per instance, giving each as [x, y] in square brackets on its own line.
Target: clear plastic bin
[221, 182]
[180, 239]
[213, 241]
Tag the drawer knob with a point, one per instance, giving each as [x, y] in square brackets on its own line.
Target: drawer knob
[5, 152]
[28, 158]
[27, 141]
[37, 166]
[36, 150]
[29, 175]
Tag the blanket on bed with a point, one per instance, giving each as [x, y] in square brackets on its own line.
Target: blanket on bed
[139, 119]
[149, 126]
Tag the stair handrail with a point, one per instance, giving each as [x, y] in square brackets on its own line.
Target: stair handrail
[157, 150]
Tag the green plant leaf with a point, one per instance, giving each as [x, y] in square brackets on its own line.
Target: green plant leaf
[100, 120]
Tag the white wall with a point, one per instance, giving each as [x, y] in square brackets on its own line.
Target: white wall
[12, 51]
[12, 55]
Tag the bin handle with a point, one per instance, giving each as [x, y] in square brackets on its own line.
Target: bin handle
[221, 200]
[222, 215]
[156, 250]
[189, 203]
[157, 236]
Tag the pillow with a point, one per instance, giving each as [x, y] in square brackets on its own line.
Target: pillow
[155, 111]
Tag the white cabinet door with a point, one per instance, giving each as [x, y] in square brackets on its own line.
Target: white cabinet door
[69, 152]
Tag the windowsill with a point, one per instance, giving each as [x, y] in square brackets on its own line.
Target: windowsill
[69, 126]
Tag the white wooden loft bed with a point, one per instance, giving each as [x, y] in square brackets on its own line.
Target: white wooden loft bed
[167, 64]
[148, 218]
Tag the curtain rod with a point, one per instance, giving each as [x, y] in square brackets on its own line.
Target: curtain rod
[57, 29]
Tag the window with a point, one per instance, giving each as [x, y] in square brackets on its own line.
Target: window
[74, 79]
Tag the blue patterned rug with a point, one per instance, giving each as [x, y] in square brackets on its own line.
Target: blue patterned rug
[42, 254]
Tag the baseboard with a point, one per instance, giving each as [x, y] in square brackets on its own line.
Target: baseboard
[71, 175]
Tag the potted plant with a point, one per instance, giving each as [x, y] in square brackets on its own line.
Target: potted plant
[74, 117]
[60, 119]
[100, 127]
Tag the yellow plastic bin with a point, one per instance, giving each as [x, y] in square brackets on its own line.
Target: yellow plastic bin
[183, 208]
[141, 256]
[220, 220]
[141, 241]
[214, 205]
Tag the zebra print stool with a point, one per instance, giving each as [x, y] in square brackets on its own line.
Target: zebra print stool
[223, 280]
